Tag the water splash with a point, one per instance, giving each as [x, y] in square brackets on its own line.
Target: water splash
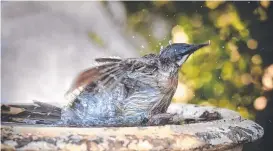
[161, 47]
[170, 42]
[98, 109]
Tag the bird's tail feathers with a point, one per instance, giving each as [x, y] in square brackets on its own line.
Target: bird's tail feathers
[37, 112]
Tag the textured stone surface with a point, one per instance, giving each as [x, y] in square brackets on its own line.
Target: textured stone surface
[229, 133]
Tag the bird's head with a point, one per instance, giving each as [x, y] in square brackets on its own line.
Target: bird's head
[179, 52]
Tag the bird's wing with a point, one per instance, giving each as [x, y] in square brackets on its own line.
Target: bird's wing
[110, 73]
[91, 75]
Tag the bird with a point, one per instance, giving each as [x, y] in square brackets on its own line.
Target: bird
[124, 92]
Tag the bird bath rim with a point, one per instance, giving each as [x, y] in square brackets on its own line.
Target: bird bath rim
[228, 133]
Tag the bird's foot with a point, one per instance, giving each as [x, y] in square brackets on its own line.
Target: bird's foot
[162, 119]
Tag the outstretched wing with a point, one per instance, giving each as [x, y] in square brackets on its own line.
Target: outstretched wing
[89, 79]
[110, 73]
[92, 75]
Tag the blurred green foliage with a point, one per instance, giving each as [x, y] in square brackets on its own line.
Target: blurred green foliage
[226, 74]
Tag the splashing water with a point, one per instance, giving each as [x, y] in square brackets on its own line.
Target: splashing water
[100, 109]
[161, 48]
[170, 42]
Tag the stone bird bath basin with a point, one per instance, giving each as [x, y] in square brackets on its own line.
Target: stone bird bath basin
[229, 133]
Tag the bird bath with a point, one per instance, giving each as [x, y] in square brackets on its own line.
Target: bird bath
[229, 133]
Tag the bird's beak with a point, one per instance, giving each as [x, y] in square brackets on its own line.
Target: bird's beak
[195, 47]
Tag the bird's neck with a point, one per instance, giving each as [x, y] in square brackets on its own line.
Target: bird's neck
[168, 66]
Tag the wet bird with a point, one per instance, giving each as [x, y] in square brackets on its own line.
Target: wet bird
[129, 91]
[126, 92]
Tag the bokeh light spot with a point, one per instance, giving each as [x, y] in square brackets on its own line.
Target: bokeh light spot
[267, 78]
[260, 103]
[235, 56]
[179, 35]
[267, 82]
[270, 70]
[213, 4]
[265, 3]
[246, 79]
[252, 44]
[256, 70]
[256, 59]
[183, 94]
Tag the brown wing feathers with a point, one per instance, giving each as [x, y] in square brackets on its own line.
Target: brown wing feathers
[100, 75]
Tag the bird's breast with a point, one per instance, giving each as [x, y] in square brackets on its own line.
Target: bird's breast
[167, 82]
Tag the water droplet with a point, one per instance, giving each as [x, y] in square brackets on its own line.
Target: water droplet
[219, 77]
[142, 46]
[223, 46]
[201, 6]
[160, 43]
[133, 36]
[170, 42]
[161, 49]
